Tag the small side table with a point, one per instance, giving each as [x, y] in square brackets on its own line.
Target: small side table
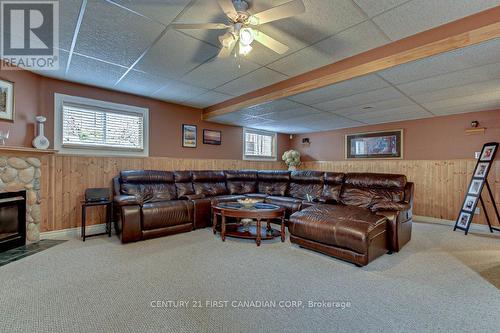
[109, 216]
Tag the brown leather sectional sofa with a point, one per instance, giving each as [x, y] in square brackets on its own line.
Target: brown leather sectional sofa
[357, 217]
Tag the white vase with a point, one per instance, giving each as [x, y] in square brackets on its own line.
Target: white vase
[292, 168]
[40, 141]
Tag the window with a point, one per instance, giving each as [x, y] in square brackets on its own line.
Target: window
[259, 145]
[86, 126]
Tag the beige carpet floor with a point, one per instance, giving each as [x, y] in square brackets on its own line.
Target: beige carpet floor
[442, 281]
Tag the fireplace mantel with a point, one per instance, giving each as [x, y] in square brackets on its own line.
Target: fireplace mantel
[27, 150]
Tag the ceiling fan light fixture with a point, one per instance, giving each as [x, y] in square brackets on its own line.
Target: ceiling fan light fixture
[246, 36]
[245, 49]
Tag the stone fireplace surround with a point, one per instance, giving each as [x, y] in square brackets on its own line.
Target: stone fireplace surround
[23, 173]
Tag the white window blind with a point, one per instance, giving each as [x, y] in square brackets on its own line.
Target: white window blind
[259, 144]
[96, 127]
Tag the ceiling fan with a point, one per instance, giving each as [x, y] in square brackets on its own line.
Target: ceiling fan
[242, 26]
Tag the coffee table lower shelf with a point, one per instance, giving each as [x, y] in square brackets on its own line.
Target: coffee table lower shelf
[239, 232]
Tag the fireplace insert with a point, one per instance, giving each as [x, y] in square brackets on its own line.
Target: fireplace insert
[12, 220]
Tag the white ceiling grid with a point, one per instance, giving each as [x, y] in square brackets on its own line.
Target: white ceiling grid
[128, 45]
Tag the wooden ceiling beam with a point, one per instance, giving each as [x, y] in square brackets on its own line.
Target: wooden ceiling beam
[464, 32]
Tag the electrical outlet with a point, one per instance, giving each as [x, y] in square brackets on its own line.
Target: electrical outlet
[477, 154]
[477, 211]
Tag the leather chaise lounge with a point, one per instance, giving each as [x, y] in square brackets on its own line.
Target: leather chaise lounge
[356, 216]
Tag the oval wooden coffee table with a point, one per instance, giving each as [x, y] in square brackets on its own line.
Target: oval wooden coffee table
[258, 212]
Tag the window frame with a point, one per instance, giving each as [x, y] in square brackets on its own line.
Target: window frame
[260, 158]
[60, 99]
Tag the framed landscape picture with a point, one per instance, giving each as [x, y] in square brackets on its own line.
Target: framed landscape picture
[211, 137]
[6, 100]
[386, 144]
[189, 136]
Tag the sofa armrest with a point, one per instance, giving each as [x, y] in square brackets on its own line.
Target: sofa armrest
[202, 213]
[127, 200]
[130, 223]
[390, 206]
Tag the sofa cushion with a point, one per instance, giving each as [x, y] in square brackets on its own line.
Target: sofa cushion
[241, 181]
[348, 227]
[274, 182]
[366, 189]
[183, 183]
[209, 183]
[332, 186]
[306, 182]
[166, 214]
[291, 205]
[148, 185]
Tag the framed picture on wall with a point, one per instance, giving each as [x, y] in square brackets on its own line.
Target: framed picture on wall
[481, 170]
[211, 137]
[189, 136]
[6, 100]
[385, 144]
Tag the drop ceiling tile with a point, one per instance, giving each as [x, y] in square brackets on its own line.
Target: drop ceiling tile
[279, 105]
[398, 117]
[341, 89]
[207, 99]
[357, 39]
[68, 16]
[290, 114]
[177, 92]
[458, 92]
[391, 114]
[255, 80]
[460, 59]
[162, 11]
[58, 73]
[121, 39]
[93, 72]
[216, 72]
[454, 79]
[375, 7]
[374, 96]
[175, 54]
[230, 118]
[375, 107]
[487, 105]
[141, 83]
[420, 15]
[460, 102]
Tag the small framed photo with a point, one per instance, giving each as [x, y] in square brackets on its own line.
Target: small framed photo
[481, 170]
[6, 100]
[488, 153]
[189, 136]
[475, 186]
[470, 203]
[211, 137]
[464, 220]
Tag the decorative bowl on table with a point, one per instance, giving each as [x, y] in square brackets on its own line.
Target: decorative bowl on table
[249, 202]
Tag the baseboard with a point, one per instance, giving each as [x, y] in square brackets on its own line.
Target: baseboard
[73, 232]
[473, 227]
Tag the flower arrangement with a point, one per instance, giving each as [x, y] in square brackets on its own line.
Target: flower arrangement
[291, 159]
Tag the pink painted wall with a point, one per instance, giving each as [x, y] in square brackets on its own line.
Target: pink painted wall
[34, 95]
[424, 139]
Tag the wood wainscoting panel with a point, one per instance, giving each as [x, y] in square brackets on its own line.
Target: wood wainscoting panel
[440, 185]
[65, 178]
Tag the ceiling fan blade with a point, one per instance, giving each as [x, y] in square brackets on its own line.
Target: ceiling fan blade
[270, 42]
[291, 8]
[210, 26]
[228, 8]
[228, 42]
